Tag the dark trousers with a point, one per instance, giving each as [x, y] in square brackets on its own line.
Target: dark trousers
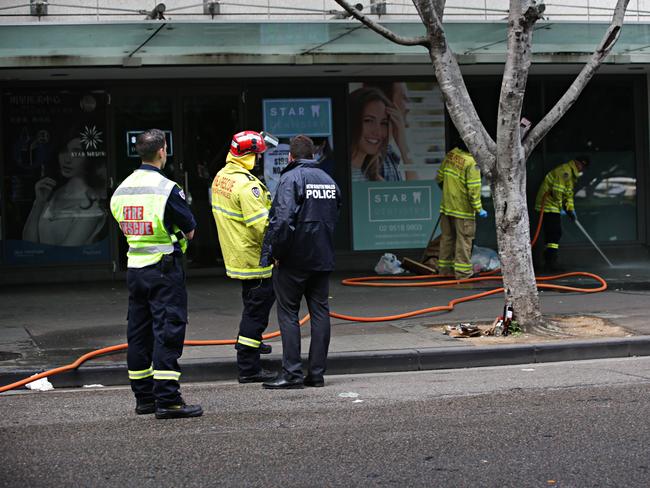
[156, 328]
[290, 286]
[552, 234]
[258, 298]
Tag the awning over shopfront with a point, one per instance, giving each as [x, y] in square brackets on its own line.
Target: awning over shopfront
[164, 43]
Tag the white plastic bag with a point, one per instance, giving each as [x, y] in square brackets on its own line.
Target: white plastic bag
[389, 265]
[484, 259]
[41, 384]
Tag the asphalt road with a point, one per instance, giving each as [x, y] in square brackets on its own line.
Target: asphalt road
[578, 424]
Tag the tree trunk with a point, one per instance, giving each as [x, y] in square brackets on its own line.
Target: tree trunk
[509, 187]
[513, 240]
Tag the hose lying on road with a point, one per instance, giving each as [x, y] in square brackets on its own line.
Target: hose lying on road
[373, 281]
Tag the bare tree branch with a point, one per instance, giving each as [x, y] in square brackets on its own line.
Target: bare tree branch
[521, 20]
[457, 100]
[380, 29]
[578, 85]
[439, 8]
[428, 12]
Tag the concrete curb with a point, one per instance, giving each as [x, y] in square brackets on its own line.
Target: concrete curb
[376, 361]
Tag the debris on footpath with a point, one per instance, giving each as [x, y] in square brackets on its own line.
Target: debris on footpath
[496, 329]
[41, 384]
[463, 330]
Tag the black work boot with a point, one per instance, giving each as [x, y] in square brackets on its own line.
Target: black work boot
[145, 407]
[550, 260]
[265, 348]
[314, 381]
[282, 383]
[259, 377]
[179, 411]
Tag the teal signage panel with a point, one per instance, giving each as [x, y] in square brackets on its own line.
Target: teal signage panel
[286, 117]
[389, 216]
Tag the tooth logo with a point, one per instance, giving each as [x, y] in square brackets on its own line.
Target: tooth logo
[315, 111]
[417, 197]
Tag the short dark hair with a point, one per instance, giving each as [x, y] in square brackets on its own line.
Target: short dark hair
[584, 159]
[301, 147]
[149, 143]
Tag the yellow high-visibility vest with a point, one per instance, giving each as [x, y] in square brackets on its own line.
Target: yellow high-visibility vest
[461, 185]
[138, 205]
[240, 206]
[558, 184]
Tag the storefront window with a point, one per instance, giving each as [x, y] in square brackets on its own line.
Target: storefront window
[601, 126]
[55, 178]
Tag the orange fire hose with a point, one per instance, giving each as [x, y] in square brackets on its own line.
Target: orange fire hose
[363, 281]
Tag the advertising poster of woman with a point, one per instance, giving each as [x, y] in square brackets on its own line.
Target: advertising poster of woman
[397, 142]
[56, 174]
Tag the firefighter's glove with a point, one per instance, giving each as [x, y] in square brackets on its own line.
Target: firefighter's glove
[563, 212]
[572, 215]
[483, 214]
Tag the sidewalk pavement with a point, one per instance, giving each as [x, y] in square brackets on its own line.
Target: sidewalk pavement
[46, 326]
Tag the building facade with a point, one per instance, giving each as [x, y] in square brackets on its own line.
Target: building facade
[78, 83]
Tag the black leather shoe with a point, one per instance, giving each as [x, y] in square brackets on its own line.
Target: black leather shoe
[180, 411]
[259, 377]
[281, 383]
[145, 408]
[265, 348]
[314, 381]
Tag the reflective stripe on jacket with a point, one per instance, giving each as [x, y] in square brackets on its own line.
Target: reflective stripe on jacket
[138, 205]
[461, 185]
[240, 206]
[559, 184]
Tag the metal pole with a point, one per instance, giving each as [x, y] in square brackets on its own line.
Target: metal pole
[592, 242]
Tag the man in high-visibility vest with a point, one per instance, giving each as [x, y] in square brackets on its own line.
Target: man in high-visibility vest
[556, 196]
[240, 205]
[460, 181]
[157, 222]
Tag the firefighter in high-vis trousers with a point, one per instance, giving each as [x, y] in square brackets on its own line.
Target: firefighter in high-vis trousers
[556, 194]
[240, 205]
[157, 222]
[460, 181]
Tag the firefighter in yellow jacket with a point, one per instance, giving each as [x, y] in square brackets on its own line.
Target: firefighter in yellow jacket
[558, 188]
[240, 205]
[460, 181]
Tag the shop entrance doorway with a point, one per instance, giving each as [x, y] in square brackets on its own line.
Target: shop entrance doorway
[199, 128]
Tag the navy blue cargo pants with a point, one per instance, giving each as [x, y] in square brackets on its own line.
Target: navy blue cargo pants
[552, 234]
[156, 329]
[258, 298]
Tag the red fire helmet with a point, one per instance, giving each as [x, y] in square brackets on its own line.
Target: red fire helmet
[247, 142]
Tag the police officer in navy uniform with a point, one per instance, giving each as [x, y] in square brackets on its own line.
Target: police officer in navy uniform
[157, 223]
[300, 243]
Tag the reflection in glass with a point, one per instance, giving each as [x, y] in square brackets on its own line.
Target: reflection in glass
[69, 207]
